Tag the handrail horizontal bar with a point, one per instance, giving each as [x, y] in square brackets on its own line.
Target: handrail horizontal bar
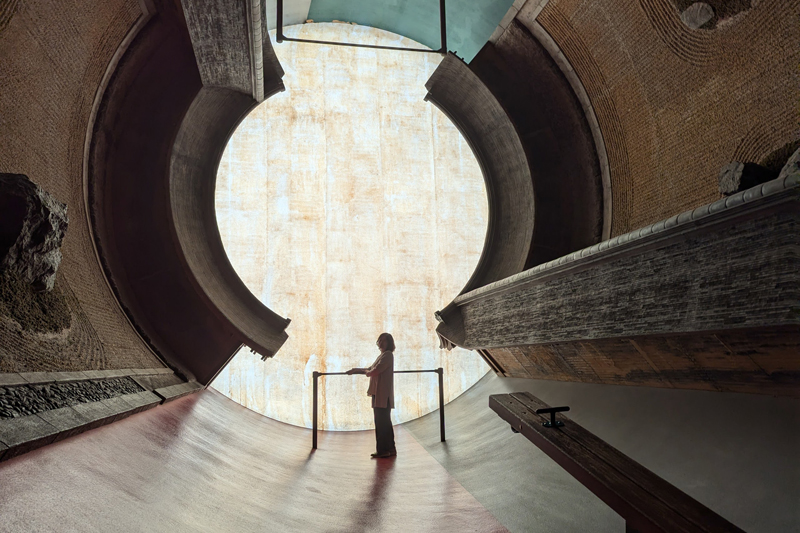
[395, 372]
[355, 45]
[317, 375]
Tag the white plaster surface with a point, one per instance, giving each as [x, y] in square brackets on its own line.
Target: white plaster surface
[352, 206]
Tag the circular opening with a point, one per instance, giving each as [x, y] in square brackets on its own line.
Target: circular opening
[352, 206]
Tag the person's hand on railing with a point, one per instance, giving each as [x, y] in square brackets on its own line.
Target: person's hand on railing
[357, 371]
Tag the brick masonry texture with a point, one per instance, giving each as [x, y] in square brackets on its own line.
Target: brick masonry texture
[674, 105]
[53, 57]
[742, 276]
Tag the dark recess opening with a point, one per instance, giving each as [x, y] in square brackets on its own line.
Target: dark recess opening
[12, 217]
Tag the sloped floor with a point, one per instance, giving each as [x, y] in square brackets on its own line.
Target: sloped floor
[205, 463]
[735, 453]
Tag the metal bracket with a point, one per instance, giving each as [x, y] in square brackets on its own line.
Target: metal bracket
[552, 423]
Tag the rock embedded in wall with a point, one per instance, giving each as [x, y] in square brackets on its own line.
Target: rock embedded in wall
[736, 177]
[709, 15]
[697, 14]
[792, 166]
[32, 227]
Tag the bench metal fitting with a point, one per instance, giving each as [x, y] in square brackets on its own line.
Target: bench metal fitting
[552, 423]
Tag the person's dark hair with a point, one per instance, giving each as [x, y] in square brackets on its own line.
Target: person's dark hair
[386, 342]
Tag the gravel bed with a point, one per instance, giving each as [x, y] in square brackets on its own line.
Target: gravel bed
[24, 400]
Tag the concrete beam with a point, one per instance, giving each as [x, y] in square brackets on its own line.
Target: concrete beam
[705, 299]
[231, 45]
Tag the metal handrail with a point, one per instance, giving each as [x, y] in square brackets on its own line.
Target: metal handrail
[280, 37]
[316, 376]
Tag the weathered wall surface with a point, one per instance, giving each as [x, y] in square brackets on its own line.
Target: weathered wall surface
[353, 207]
[675, 104]
[52, 59]
[725, 279]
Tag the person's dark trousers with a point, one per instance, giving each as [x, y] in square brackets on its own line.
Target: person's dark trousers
[384, 434]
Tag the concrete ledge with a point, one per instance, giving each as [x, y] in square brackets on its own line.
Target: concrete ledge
[158, 381]
[35, 378]
[108, 374]
[141, 401]
[151, 371]
[174, 392]
[99, 413]
[51, 377]
[66, 420]
[20, 435]
[11, 379]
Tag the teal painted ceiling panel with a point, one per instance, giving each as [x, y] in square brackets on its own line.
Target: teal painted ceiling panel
[470, 23]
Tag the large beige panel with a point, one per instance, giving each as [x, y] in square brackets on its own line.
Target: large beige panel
[352, 206]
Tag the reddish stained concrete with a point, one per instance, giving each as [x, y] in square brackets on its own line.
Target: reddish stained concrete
[204, 463]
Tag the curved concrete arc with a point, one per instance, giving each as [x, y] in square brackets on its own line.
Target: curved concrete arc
[205, 131]
[239, 69]
[148, 10]
[531, 137]
[127, 170]
[483, 122]
[553, 129]
[579, 89]
[156, 236]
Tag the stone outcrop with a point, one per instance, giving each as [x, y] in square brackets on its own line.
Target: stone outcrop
[32, 227]
[697, 14]
[736, 177]
[792, 166]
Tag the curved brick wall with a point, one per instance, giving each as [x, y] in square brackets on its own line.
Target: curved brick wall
[52, 59]
[674, 104]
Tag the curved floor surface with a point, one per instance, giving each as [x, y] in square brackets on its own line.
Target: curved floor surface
[204, 463]
[735, 453]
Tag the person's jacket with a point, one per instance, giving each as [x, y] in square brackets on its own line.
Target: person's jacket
[381, 381]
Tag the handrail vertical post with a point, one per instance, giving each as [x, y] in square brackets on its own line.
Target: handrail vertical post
[314, 414]
[443, 26]
[279, 22]
[440, 371]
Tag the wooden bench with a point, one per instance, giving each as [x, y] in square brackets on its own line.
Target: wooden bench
[646, 502]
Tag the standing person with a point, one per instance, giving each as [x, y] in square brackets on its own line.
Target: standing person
[381, 388]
